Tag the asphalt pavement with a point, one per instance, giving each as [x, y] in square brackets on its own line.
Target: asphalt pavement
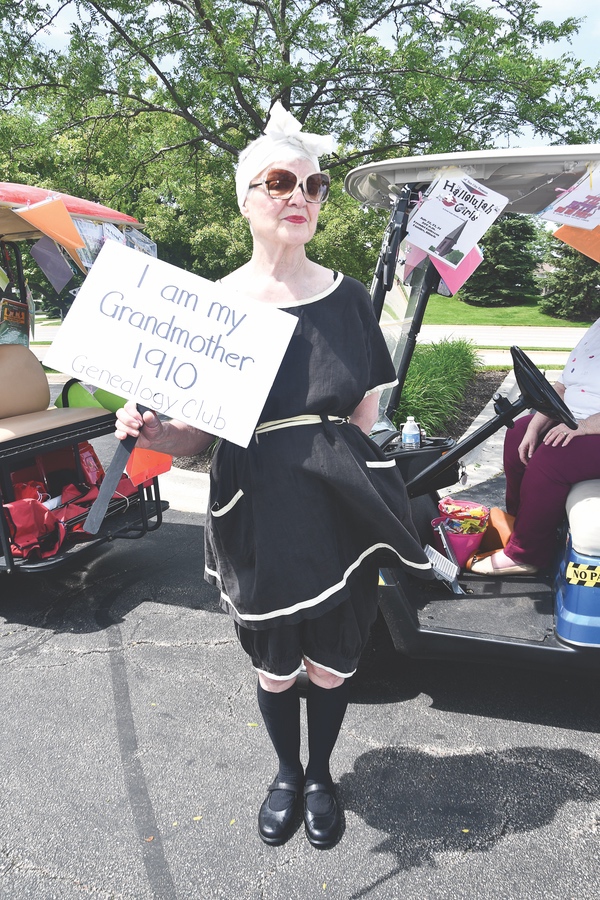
[134, 760]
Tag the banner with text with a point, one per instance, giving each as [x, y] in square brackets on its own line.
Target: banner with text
[455, 213]
[579, 206]
[177, 343]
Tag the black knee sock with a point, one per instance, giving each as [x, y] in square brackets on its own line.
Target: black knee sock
[281, 714]
[325, 708]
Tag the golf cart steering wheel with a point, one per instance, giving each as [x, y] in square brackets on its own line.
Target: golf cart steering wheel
[538, 392]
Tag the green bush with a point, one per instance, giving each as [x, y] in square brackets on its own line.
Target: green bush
[436, 382]
[506, 276]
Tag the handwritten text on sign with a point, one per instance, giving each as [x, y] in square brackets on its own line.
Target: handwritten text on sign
[177, 343]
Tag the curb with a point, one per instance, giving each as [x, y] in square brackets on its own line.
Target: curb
[186, 491]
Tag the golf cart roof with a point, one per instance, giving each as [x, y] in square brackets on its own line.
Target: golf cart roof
[14, 228]
[529, 177]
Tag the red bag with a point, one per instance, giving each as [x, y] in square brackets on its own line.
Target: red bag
[30, 489]
[33, 529]
[82, 494]
[91, 465]
[70, 509]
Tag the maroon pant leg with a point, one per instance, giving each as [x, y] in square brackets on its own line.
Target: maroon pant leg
[538, 492]
[513, 467]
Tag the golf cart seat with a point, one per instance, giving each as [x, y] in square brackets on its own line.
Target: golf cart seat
[583, 512]
[24, 414]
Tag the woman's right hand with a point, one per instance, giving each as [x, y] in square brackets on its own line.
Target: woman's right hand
[537, 428]
[528, 445]
[130, 423]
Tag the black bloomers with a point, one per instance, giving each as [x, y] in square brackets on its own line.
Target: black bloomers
[333, 641]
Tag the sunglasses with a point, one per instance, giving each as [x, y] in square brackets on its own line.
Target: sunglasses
[281, 185]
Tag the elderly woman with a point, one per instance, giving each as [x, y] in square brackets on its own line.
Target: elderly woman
[543, 459]
[300, 520]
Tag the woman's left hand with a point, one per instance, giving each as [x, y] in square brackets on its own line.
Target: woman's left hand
[559, 435]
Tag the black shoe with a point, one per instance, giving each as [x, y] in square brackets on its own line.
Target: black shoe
[276, 826]
[323, 827]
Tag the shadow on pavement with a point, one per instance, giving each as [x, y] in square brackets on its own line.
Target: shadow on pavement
[426, 804]
[559, 699]
[166, 567]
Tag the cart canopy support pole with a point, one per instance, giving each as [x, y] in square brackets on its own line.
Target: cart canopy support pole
[430, 283]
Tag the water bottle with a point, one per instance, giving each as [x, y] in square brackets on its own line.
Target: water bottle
[411, 434]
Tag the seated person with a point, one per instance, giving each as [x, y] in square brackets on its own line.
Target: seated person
[543, 459]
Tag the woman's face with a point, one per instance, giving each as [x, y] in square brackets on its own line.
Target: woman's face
[289, 222]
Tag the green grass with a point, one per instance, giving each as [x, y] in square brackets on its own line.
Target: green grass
[451, 311]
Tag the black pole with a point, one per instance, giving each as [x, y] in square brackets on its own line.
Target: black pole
[431, 280]
[395, 233]
[506, 412]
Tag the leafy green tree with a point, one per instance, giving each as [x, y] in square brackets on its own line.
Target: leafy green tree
[507, 274]
[414, 75]
[146, 106]
[572, 286]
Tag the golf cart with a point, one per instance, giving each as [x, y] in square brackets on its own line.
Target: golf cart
[50, 473]
[550, 618]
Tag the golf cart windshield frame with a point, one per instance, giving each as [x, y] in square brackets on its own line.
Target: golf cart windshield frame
[530, 178]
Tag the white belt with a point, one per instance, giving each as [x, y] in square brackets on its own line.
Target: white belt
[296, 420]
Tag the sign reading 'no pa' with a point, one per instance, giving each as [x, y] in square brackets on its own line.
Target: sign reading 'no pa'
[175, 342]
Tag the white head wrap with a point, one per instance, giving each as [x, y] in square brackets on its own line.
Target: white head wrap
[283, 140]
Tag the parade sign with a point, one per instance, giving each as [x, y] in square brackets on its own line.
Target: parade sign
[579, 206]
[177, 343]
[455, 213]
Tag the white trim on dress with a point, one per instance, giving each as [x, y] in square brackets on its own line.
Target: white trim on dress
[324, 595]
[382, 387]
[279, 677]
[228, 506]
[329, 669]
[292, 303]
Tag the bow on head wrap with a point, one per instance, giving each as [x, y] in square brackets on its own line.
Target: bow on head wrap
[283, 140]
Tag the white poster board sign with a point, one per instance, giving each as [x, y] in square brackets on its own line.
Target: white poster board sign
[455, 213]
[177, 343]
[580, 205]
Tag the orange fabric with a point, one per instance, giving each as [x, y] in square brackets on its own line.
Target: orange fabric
[477, 556]
[143, 465]
[499, 529]
[587, 241]
[53, 219]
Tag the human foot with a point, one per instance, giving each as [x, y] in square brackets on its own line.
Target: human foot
[322, 816]
[276, 817]
[498, 563]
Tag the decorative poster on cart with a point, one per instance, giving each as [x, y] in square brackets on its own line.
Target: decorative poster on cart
[455, 213]
[580, 204]
[177, 343]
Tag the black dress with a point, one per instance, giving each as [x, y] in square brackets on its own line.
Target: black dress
[297, 511]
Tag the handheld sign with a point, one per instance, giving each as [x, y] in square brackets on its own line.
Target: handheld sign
[174, 342]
